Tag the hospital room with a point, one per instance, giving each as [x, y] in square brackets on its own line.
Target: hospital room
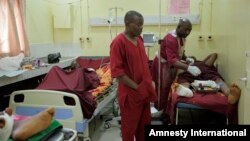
[95, 70]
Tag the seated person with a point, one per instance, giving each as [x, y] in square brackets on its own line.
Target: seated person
[209, 72]
[21, 130]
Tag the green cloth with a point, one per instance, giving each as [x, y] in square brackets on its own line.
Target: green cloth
[46, 133]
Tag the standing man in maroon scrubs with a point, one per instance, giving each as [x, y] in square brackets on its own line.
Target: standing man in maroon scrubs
[171, 58]
[129, 64]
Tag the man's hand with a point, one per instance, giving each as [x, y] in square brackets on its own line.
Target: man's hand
[195, 71]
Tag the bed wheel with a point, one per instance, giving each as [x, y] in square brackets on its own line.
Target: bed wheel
[107, 125]
[86, 139]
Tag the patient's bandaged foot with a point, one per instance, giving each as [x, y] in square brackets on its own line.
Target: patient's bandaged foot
[6, 124]
[184, 91]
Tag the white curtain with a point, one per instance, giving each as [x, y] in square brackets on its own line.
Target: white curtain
[13, 37]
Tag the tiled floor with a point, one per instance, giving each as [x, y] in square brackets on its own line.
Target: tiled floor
[98, 132]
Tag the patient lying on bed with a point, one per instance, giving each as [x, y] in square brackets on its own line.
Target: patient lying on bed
[21, 130]
[103, 74]
[209, 72]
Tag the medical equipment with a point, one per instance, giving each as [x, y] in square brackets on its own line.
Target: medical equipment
[149, 39]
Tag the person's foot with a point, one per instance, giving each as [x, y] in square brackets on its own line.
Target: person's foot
[26, 128]
[184, 91]
[234, 95]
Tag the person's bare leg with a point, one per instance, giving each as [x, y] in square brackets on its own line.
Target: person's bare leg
[6, 124]
[210, 59]
[26, 128]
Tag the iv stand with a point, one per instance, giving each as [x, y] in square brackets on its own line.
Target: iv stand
[159, 59]
[116, 20]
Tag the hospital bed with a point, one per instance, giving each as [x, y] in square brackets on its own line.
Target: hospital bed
[215, 102]
[205, 98]
[69, 106]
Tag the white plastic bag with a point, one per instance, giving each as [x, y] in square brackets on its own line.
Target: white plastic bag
[11, 63]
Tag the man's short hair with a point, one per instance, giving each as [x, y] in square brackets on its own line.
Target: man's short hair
[129, 16]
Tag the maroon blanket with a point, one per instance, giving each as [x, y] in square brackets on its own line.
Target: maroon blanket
[77, 81]
[91, 62]
[214, 102]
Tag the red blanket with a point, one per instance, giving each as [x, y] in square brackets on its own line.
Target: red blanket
[214, 102]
